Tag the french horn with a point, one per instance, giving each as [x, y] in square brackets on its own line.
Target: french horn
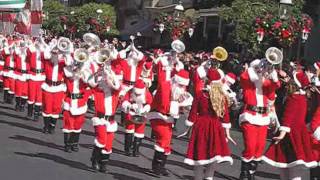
[64, 45]
[219, 53]
[178, 46]
[274, 55]
[91, 39]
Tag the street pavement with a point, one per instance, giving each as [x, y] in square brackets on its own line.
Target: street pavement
[26, 153]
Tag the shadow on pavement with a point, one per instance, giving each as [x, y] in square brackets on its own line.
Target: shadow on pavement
[267, 175]
[127, 165]
[37, 142]
[57, 159]
[123, 177]
[19, 125]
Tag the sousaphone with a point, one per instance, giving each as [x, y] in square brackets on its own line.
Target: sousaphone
[219, 53]
[91, 39]
[178, 46]
[274, 55]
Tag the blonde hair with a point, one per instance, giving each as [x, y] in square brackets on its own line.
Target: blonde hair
[218, 99]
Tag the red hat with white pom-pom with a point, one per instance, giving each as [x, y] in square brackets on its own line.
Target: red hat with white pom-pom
[231, 78]
[182, 78]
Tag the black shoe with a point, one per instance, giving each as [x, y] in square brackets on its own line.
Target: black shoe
[245, 171]
[67, 146]
[103, 162]
[315, 173]
[163, 170]
[128, 143]
[52, 125]
[156, 163]
[22, 104]
[96, 158]
[136, 146]
[18, 102]
[46, 122]
[75, 141]
[5, 96]
[30, 110]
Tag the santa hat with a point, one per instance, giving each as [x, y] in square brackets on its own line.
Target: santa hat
[301, 79]
[182, 78]
[214, 75]
[317, 65]
[139, 87]
[231, 78]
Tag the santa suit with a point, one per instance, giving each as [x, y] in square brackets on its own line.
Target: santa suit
[8, 70]
[147, 74]
[1, 68]
[36, 75]
[255, 119]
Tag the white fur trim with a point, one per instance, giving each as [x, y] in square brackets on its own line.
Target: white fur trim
[9, 74]
[111, 127]
[285, 129]
[38, 77]
[70, 131]
[139, 91]
[201, 72]
[158, 148]
[68, 72]
[296, 80]
[289, 165]
[75, 110]
[106, 152]
[257, 119]
[96, 142]
[139, 135]
[129, 131]
[252, 74]
[174, 108]
[158, 115]
[251, 159]
[188, 123]
[125, 106]
[38, 104]
[53, 89]
[146, 108]
[30, 102]
[229, 79]
[1, 63]
[316, 134]
[226, 125]
[187, 102]
[182, 81]
[215, 159]
[98, 121]
[50, 115]
[21, 77]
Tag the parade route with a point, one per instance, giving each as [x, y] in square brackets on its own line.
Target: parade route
[29, 154]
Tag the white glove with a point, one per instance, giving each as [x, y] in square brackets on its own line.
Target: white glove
[274, 76]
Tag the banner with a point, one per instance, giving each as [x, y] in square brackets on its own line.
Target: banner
[7, 5]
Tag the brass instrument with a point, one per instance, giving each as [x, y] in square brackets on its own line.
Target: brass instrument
[81, 55]
[64, 45]
[274, 56]
[103, 55]
[91, 39]
[178, 46]
[219, 53]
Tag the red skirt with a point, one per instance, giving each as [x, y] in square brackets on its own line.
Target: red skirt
[207, 143]
[295, 149]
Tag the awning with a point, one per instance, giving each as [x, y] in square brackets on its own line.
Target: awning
[11, 5]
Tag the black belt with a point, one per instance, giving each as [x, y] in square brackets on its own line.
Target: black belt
[37, 71]
[257, 109]
[75, 95]
[22, 71]
[131, 83]
[8, 68]
[53, 83]
[105, 116]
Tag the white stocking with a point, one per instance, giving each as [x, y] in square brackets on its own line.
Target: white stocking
[198, 172]
[209, 172]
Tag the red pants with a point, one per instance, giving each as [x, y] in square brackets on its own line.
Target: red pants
[21, 89]
[255, 138]
[35, 92]
[72, 123]
[52, 103]
[103, 139]
[8, 84]
[163, 135]
[137, 129]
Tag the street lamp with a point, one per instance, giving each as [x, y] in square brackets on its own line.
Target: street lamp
[99, 11]
[178, 9]
[284, 8]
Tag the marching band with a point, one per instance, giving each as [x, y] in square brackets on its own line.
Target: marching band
[55, 76]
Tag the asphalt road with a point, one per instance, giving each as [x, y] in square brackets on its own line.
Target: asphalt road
[26, 153]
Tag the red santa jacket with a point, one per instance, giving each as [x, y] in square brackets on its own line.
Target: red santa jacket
[8, 69]
[143, 102]
[256, 92]
[315, 123]
[36, 64]
[21, 64]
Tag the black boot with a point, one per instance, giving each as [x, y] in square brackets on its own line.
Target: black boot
[163, 170]
[315, 173]
[22, 104]
[52, 125]
[136, 146]
[18, 102]
[103, 162]
[30, 110]
[245, 168]
[10, 98]
[75, 142]
[128, 143]
[1, 86]
[5, 96]
[96, 158]
[156, 163]
[36, 112]
[253, 168]
[46, 122]
[67, 146]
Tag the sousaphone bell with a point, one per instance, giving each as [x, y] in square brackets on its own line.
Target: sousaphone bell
[91, 39]
[178, 46]
[274, 55]
[219, 53]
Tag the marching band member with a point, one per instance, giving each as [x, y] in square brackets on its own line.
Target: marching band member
[254, 119]
[36, 78]
[53, 88]
[292, 148]
[136, 103]
[75, 101]
[8, 71]
[171, 95]
[147, 74]
[2, 41]
[106, 94]
[209, 117]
